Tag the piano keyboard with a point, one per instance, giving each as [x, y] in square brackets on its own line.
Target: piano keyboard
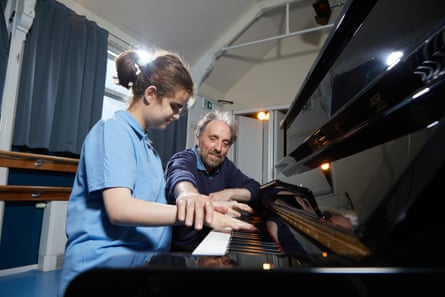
[220, 244]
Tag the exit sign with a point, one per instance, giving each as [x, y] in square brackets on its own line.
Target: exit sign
[206, 103]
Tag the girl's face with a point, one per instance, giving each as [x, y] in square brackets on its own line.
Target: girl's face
[164, 110]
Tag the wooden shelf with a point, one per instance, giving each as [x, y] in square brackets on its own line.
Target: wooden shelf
[38, 162]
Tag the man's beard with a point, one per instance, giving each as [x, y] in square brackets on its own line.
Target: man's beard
[214, 160]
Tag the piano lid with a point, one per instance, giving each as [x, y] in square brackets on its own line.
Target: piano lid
[179, 274]
[370, 101]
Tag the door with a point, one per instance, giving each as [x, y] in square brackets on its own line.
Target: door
[249, 147]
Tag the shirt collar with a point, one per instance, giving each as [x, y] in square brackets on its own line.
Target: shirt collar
[199, 163]
[131, 121]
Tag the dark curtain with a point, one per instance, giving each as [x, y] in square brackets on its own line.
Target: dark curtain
[4, 49]
[62, 80]
[171, 140]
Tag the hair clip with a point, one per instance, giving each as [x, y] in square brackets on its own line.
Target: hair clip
[138, 69]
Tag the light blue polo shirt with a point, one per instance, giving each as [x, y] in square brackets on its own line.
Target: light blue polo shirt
[116, 153]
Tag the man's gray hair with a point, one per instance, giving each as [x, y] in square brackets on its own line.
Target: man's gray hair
[224, 116]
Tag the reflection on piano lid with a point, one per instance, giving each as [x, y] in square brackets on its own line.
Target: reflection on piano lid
[168, 274]
[339, 240]
[372, 102]
[297, 207]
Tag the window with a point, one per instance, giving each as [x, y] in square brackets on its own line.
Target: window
[115, 95]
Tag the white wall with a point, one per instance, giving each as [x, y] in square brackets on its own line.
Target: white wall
[277, 79]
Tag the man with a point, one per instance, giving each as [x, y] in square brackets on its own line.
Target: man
[205, 170]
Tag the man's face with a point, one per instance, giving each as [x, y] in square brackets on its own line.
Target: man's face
[214, 144]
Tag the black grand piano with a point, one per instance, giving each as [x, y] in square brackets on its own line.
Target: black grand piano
[381, 78]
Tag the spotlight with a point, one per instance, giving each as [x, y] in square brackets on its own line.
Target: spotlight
[322, 12]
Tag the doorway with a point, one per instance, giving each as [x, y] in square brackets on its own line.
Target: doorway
[260, 144]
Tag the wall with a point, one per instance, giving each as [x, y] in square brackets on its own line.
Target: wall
[277, 79]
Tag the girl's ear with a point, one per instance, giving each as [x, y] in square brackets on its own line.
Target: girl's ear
[149, 93]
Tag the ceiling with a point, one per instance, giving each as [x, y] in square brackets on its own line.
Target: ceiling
[233, 34]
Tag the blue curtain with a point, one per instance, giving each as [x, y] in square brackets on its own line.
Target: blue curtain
[62, 80]
[4, 48]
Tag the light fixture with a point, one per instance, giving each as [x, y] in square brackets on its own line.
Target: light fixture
[263, 116]
[325, 166]
[326, 170]
[322, 11]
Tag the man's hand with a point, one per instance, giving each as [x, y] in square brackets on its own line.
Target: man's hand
[232, 208]
[225, 223]
[224, 195]
[238, 194]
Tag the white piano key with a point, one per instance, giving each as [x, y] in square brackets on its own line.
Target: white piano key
[214, 244]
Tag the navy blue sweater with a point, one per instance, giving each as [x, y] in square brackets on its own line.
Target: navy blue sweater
[183, 166]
